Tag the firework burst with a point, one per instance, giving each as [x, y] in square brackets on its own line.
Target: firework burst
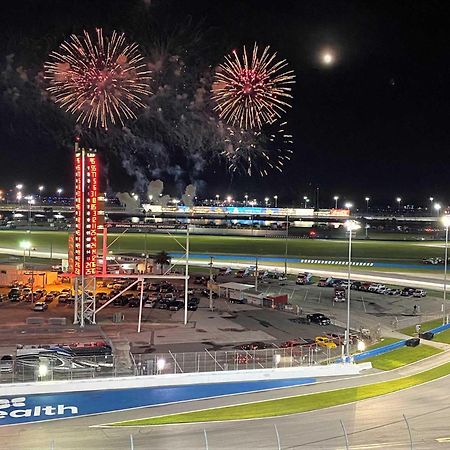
[257, 152]
[253, 90]
[101, 81]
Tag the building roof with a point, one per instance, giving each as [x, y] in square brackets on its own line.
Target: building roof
[236, 286]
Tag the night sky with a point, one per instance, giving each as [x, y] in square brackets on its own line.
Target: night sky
[375, 122]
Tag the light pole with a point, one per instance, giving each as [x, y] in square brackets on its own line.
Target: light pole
[437, 207]
[348, 206]
[336, 198]
[40, 189]
[275, 198]
[25, 245]
[367, 199]
[351, 226]
[431, 205]
[446, 222]
[399, 201]
[246, 199]
[19, 192]
[217, 199]
[266, 200]
[146, 207]
[211, 304]
[286, 246]
[30, 201]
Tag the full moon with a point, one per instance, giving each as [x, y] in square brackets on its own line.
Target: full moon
[327, 58]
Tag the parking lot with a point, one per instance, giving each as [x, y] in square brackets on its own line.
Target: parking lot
[226, 327]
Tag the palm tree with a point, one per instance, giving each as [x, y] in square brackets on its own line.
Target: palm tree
[162, 259]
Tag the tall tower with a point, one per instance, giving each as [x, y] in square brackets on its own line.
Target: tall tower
[84, 241]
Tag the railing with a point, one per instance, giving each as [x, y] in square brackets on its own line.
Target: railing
[63, 368]
[223, 360]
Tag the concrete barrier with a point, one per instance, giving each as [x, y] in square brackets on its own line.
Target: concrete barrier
[35, 320]
[180, 379]
[57, 321]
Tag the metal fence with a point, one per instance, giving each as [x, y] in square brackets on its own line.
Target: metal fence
[45, 368]
[214, 361]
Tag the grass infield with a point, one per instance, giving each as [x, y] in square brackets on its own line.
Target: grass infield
[296, 404]
[395, 251]
[402, 356]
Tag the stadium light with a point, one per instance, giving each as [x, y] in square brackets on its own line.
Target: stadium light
[446, 221]
[351, 226]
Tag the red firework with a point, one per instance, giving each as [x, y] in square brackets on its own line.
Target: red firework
[101, 81]
[252, 92]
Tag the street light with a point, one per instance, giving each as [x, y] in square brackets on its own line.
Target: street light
[367, 203]
[275, 197]
[267, 201]
[59, 191]
[348, 206]
[446, 222]
[351, 226]
[437, 207]
[399, 201]
[336, 198]
[25, 245]
[40, 189]
[246, 199]
[431, 205]
[19, 187]
[30, 201]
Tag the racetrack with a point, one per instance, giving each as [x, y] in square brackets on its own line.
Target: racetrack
[371, 424]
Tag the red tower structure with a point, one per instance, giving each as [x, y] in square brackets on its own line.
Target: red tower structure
[83, 245]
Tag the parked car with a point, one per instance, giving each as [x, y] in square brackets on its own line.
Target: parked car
[205, 293]
[133, 302]
[407, 292]
[49, 298]
[62, 299]
[121, 301]
[6, 364]
[176, 305]
[253, 346]
[420, 293]
[394, 292]
[149, 303]
[304, 278]
[318, 318]
[192, 306]
[14, 293]
[291, 343]
[323, 341]
[376, 287]
[40, 306]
